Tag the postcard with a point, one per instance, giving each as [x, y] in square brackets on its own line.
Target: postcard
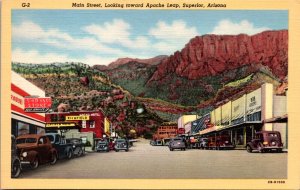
[149, 94]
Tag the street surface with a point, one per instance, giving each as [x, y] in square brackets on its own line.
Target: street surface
[144, 161]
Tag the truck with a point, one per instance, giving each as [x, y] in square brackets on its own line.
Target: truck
[64, 149]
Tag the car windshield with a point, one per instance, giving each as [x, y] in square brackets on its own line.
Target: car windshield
[273, 135]
[75, 141]
[205, 140]
[26, 140]
[177, 139]
[120, 140]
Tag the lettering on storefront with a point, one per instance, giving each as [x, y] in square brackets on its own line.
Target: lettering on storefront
[38, 102]
[252, 101]
[236, 108]
[78, 118]
[60, 125]
[16, 99]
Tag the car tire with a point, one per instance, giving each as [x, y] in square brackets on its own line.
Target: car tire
[126, 150]
[16, 169]
[53, 159]
[35, 163]
[80, 152]
[69, 154]
[260, 148]
[279, 150]
[183, 149]
[171, 149]
[117, 150]
[249, 149]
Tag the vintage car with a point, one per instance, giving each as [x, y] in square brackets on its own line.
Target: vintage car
[102, 145]
[265, 141]
[15, 161]
[177, 143]
[203, 143]
[77, 146]
[35, 149]
[63, 148]
[121, 144]
[220, 142]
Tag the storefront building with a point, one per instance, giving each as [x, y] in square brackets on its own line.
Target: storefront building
[166, 130]
[252, 112]
[23, 122]
[83, 121]
[184, 119]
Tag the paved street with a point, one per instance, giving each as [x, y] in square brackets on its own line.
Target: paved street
[155, 162]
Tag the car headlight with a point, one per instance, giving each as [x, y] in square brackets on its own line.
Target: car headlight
[74, 146]
[24, 154]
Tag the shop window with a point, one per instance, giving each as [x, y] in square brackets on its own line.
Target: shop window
[23, 128]
[83, 124]
[92, 124]
[254, 117]
[240, 136]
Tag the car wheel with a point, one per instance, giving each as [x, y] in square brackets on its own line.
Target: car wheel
[279, 150]
[117, 150]
[183, 149]
[126, 150]
[53, 159]
[16, 169]
[171, 149]
[35, 163]
[80, 152]
[69, 154]
[249, 149]
[260, 148]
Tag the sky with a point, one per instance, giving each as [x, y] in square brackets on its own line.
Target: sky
[102, 36]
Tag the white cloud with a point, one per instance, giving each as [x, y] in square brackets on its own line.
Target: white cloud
[54, 37]
[178, 30]
[34, 56]
[244, 27]
[117, 32]
[172, 36]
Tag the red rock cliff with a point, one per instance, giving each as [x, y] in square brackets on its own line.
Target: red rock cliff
[212, 54]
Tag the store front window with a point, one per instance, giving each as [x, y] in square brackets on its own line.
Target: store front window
[239, 136]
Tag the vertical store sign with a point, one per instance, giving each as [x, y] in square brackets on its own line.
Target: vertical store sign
[254, 102]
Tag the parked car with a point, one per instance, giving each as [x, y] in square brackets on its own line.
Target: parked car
[121, 144]
[265, 141]
[177, 143]
[203, 143]
[102, 145]
[63, 148]
[35, 149]
[77, 146]
[220, 142]
[15, 161]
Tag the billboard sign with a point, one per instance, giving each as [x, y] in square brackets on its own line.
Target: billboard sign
[226, 113]
[37, 105]
[238, 108]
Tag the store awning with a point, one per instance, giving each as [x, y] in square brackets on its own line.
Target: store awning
[278, 119]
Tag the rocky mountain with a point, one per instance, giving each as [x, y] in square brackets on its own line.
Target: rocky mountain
[204, 66]
[210, 55]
